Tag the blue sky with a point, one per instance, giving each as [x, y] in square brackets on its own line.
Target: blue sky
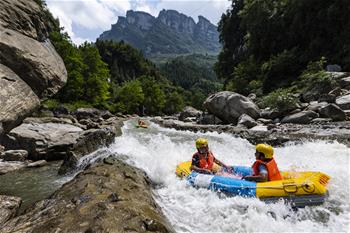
[87, 19]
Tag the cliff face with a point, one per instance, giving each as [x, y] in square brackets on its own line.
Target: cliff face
[30, 68]
[170, 33]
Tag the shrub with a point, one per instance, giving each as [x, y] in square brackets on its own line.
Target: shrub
[280, 99]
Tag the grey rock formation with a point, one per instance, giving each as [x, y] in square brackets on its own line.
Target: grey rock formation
[170, 33]
[333, 111]
[229, 106]
[30, 68]
[303, 117]
[6, 167]
[8, 208]
[247, 121]
[108, 197]
[189, 112]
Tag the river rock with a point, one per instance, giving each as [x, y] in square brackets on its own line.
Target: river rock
[38, 163]
[87, 113]
[8, 208]
[247, 121]
[14, 155]
[6, 167]
[189, 112]
[229, 106]
[315, 106]
[303, 117]
[208, 119]
[343, 102]
[333, 111]
[104, 198]
[30, 68]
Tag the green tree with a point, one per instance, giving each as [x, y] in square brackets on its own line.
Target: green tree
[130, 97]
[154, 101]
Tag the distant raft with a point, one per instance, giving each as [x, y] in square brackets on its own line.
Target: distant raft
[298, 188]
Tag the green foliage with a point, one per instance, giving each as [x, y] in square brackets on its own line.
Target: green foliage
[154, 101]
[282, 36]
[129, 98]
[280, 99]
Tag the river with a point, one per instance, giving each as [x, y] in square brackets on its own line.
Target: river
[157, 151]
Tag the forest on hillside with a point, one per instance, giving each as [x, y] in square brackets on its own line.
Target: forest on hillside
[271, 45]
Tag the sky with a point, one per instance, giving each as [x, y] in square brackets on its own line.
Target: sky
[85, 20]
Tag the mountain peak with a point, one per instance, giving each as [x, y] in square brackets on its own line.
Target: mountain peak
[170, 32]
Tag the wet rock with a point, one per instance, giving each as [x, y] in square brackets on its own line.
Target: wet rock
[343, 102]
[14, 155]
[303, 117]
[60, 110]
[247, 121]
[189, 112]
[333, 68]
[321, 120]
[229, 106]
[333, 111]
[265, 121]
[98, 199]
[8, 208]
[38, 163]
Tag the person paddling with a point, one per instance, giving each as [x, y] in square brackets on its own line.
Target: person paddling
[142, 124]
[264, 168]
[203, 161]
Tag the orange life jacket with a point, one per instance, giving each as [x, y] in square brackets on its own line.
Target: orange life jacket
[205, 162]
[272, 170]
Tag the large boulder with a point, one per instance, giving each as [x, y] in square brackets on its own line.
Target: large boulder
[229, 106]
[30, 68]
[333, 111]
[343, 102]
[303, 117]
[108, 197]
[52, 141]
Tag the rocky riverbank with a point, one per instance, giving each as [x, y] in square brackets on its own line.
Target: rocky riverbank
[110, 196]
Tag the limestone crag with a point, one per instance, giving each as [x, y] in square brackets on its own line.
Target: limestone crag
[107, 197]
[30, 68]
[169, 33]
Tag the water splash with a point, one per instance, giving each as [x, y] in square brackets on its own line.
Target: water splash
[157, 151]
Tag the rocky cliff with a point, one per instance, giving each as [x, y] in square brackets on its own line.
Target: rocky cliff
[169, 33]
[30, 68]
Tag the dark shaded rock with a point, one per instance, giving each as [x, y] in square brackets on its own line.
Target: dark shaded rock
[343, 102]
[247, 121]
[14, 155]
[99, 199]
[106, 114]
[270, 114]
[208, 119]
[333, 111]
[189, 112]
[86, 113]
[8, 208]
[303, 117]
[329, 98]
[60, 110]
[333, 68]
[229, 106]
[345, 83]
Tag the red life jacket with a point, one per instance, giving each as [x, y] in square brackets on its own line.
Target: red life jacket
[205, 162]
[272, 170]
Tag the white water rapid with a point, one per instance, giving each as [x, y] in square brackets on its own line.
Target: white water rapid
[157, 151]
